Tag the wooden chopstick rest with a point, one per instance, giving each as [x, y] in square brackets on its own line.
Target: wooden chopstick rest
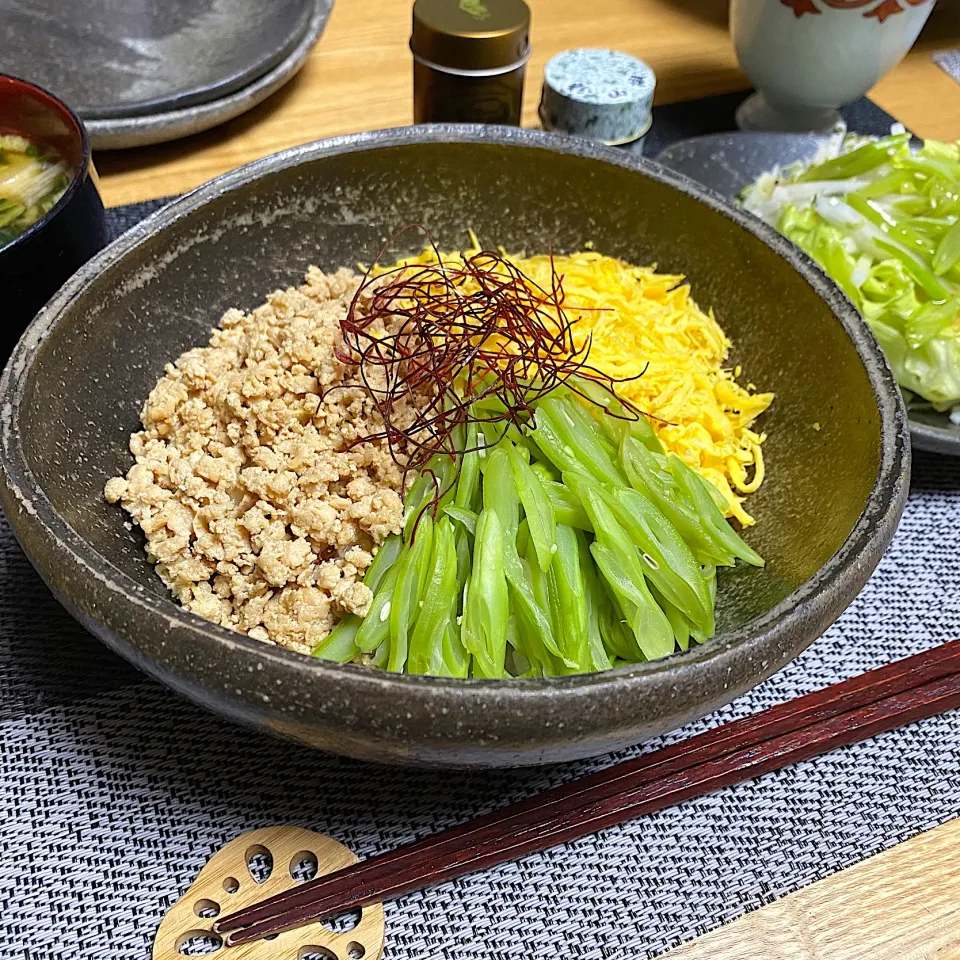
[227, 883]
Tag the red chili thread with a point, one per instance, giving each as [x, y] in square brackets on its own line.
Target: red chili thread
[418, 335]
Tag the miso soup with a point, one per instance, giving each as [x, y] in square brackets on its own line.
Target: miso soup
[32, 180]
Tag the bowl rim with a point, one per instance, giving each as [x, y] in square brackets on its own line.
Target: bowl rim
[79, 174]
[818, 600]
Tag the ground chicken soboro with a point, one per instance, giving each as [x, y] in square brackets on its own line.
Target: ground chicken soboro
[257, 514]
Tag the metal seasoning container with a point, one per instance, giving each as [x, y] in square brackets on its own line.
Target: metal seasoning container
[600, 95]
[469, 60]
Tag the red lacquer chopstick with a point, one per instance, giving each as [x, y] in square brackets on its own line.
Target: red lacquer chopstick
[843, 713]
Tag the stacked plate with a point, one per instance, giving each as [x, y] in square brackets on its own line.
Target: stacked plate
[140, 72]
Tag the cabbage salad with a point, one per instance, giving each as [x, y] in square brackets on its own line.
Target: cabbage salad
[883, 220]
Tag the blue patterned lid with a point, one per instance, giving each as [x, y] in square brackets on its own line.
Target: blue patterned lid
[600, 94]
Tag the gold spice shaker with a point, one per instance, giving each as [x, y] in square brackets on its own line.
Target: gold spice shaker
[469, 60]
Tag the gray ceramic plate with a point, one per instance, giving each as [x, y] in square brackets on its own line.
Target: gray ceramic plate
[728, 162]
[116, 58]
[71, 394]
[125, 132]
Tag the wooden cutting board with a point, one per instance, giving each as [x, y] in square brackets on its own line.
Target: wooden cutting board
[902, 904]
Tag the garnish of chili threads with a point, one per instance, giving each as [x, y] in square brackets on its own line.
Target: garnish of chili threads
[441, 338]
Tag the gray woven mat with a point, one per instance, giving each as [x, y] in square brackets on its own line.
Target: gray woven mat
[111, 801]
[949, 60]
[113, 792]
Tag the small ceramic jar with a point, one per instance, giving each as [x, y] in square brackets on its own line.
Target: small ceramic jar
[598, 94]
[806, 58]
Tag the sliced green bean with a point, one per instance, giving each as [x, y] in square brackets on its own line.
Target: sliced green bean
[387, 555]
[517, 663]
[439, 476]
[531, 602]
[613, 628]
[566, 507]
[464, 558]
[710, 576]
[590, 436]
[465, 517]
[468, 484]
[680, 624]
[440, 593]
[622, 568]
[683, 630]
[375, 629]
[492, 435]
[670, 564]
[607, 529]
[430, 490]
[340, 644]
[704, 500]
[413, 502]
[543, 469]
[570, 446]
[486, 608]
[536, 506]
[412, 572]
[456, 659]
[620, 421]
[381, 656]
[447, 480]
[523, 538]
[565, 579]
[501, 496]
[553, 448]
[500, 492]
[651, 477]
[651, 628]
[595, 599]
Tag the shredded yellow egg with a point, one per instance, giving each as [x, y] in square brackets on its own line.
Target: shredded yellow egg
[644, 322]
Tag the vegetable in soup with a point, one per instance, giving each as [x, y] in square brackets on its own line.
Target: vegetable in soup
[32, 180]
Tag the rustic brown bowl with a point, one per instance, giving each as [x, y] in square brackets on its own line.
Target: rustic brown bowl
[71, 394]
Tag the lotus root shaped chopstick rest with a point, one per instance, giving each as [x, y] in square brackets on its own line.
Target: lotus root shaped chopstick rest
[241, 874]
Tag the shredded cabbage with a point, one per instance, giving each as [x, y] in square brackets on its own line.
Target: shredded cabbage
[883, 221]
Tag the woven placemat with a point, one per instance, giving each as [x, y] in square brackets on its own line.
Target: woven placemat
[114, 791]
[949, 60]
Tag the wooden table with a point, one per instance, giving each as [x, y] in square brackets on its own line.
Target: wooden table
[901, 905]
[359, 78]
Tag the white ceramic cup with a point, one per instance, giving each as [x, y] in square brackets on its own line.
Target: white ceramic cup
[806, 58]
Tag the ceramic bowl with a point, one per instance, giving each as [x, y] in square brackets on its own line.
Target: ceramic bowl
[35, 264]
[72, 392]
[808, 57]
